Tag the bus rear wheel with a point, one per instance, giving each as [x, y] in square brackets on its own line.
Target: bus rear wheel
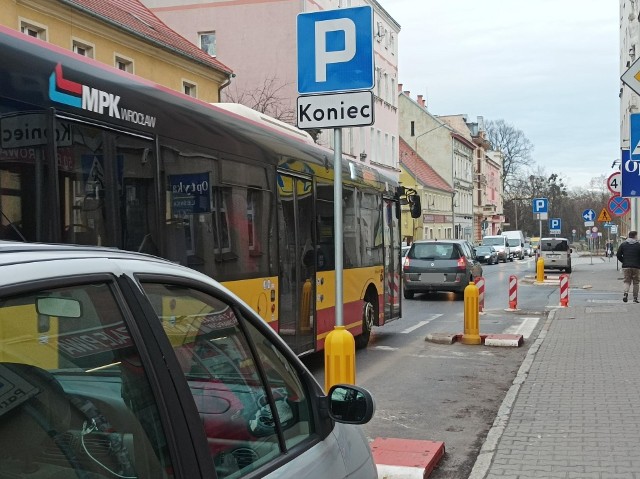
[368, 318]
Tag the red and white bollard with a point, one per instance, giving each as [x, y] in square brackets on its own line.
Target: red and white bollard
[513, 292]
[480, 284]
[564, 290]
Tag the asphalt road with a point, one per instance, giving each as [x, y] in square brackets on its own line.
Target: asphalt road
[448, 393]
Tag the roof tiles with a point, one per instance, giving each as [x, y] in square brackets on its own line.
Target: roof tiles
[134, 16]
[418, 167]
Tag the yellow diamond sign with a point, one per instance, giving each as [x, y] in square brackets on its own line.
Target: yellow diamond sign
[604, 215]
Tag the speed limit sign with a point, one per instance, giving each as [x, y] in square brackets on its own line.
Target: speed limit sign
[614, 183]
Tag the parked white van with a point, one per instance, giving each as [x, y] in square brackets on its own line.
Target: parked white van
[556, 253]
[501, 244]
[516, 243]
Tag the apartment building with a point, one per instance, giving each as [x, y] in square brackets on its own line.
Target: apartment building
[259, 39]
[435, 193]
[123, 34]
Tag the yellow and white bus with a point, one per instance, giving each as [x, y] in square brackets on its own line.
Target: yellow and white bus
[92, 155]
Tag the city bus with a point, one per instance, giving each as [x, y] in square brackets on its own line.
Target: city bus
[93, 155]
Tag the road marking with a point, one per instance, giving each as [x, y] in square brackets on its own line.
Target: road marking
[525, 328]
[385, 348]
[420, 324]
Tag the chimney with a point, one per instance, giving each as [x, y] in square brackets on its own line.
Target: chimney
[420, 101]
[407, 92]
[399, 87]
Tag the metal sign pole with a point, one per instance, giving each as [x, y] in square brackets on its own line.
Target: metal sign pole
[338, 225]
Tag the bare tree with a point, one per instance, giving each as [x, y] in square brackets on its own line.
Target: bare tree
[266, 97]
[516, 150]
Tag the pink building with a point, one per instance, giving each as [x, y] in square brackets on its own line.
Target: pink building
[258, 40]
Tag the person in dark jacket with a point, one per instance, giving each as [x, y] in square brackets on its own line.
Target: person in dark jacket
[629, 255]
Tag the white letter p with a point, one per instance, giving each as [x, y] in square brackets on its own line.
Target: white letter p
[323, 57]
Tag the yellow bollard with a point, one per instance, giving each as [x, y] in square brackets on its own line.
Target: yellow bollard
[339, 358]
[471, 314]
[540, 270]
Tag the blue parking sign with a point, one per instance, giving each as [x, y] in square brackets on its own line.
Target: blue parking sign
[540, 205]
[335, 50]
[555, 225]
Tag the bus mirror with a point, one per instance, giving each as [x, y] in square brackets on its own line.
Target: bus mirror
[414, 206]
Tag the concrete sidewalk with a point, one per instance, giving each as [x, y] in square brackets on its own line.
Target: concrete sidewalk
[573, 410]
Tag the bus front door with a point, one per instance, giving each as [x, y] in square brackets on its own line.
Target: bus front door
[297, 263]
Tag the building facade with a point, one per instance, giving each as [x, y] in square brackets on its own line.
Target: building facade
[435, 194]
[629, 100]
[123, 34]
[259, 39]
[488, 195]
[463, 176]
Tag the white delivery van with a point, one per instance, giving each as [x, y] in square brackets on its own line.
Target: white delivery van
[556, 253]
[516, 243]
[501, 244]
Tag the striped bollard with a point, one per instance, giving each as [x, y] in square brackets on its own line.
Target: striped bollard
[564, 290]
[480, 284]
[513, 292]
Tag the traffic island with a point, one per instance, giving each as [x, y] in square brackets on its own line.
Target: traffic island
[406, 458]
[500, 340]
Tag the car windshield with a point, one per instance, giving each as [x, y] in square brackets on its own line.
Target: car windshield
[493, 241]
[434, 251]
[554, 245]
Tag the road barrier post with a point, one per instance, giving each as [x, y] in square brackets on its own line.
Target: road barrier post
[480, 284]
[513, 292]
[471, 314]
[540, 270]
[564, 290]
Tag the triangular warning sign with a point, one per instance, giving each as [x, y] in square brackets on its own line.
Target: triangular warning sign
[604, 215]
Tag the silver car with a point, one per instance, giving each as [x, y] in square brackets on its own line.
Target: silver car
[439, 265]
[119, 364]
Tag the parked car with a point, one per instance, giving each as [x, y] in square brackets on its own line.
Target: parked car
[556, 253]
[486, 254]
[120, 364]
[501, 244]
[439, 265]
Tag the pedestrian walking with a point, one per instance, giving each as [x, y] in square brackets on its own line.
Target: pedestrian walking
[629, 255]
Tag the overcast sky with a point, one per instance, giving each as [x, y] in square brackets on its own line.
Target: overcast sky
[548, 67]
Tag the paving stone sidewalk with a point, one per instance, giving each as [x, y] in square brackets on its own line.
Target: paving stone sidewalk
[574, 408]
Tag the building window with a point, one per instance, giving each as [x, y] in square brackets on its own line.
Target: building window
[394, 93]
[189, 89]
[33, 30]
[208, 42]
[124, 64]
[83, 48]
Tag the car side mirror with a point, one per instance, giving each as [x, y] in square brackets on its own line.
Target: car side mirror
[350, 404]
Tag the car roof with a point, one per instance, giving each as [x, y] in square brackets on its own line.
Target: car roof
[440, 241]
[12, 251]
[554, 238]
[23, 262]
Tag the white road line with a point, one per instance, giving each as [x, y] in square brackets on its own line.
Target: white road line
[525, 328]
[421, 323]
[385, 348]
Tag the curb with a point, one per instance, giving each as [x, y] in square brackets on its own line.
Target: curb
[405, 458]
[508, 340]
